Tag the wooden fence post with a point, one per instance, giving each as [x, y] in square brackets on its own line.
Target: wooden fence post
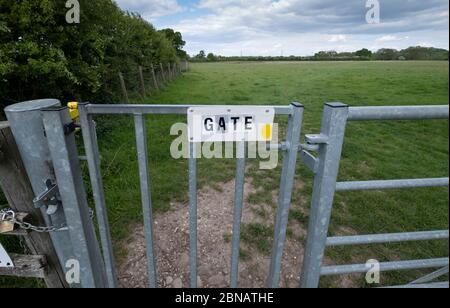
[17, 189]
[141, 77]
[155, 81]
[162, 73]
[169, 69]
[124, 88]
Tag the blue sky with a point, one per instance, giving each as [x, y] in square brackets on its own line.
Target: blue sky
[297, 27]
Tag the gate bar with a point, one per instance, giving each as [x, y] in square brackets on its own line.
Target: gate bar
[398, 113]
[392, 184]
[384, 267]
[238, 203]
[93, 158]
[159, 109]
[285, 192]
[193, 213]
[431, 276]
[435, 285]
[65, 160]
[387, 238]
[142, 151]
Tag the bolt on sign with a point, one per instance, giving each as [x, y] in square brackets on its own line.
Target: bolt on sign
[230, 124]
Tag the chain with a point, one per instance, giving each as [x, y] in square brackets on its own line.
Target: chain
[9, 215]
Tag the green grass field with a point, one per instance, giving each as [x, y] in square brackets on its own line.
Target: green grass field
[379, 150]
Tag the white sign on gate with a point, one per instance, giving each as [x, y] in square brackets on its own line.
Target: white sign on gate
[230, 124]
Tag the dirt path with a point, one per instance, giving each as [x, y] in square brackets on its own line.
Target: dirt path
[215, 212]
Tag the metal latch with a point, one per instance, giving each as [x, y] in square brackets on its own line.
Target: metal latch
[5, 259]
[49, 198]
[316, 139]
[70, 128]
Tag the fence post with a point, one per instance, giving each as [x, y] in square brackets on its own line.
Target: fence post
[162, 73]
[155, 81]
[333, 129]
[141, 77]
[285, 194]
[193, 215]
[63, 150]
[169, 72]
[25, 120]
[175, 69]
[17, 188]
[93, 158]
[124, 88]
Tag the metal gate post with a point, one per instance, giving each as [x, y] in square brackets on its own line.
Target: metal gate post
[63, 150]
[330, 143]
[285, 194]
[26, 124]
[193, 214]
[93, 159]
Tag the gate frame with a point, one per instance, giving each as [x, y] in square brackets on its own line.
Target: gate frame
[56, 121]
[329, 145]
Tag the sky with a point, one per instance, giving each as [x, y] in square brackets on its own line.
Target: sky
[298, 27]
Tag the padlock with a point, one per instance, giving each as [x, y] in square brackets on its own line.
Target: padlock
[6, 226]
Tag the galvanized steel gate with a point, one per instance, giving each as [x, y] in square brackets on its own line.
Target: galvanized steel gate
[64, 156]
[98, 269]
[329, 145]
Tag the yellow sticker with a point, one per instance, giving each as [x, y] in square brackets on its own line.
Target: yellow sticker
[266, 131]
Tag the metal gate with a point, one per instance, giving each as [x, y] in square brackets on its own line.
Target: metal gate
[59, 130]
[329, 144]
[97, 265]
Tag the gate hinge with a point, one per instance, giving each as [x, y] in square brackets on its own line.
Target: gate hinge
[49, 198]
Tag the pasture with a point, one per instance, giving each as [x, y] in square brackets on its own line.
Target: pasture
[380, 150]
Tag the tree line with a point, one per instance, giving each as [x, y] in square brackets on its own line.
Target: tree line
[411, 53]
[41, 55]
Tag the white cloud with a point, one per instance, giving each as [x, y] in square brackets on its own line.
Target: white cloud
[262, 27]
[388, 38]
[151, 8]
[338, 38]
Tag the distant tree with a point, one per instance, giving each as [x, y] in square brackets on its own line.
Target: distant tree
[326, 55]
[201, 55]
[386, 54]
[177, 41]
[211, 57]
[364, 53]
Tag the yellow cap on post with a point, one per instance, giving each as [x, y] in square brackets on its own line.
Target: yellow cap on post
[73, 109]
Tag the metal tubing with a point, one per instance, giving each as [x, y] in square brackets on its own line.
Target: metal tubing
[238, 204]
[27, 128]
[333, 125]
[141, 143]
[63, 150]
[435, 285]
[285, 194]
[193, 214]
[93, 158]
[398, 113]
[431, 276]
[392, 184]
[384, 267]
[159, 109]
[387, 238]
